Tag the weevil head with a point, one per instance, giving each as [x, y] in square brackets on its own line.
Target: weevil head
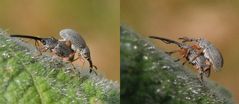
[49, 42]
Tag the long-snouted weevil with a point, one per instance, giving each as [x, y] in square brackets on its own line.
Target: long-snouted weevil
[78, 45]
[209, 51]
[61, 49]
[191, 53]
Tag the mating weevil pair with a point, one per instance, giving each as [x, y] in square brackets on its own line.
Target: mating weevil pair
[201, 55]
[66, 48]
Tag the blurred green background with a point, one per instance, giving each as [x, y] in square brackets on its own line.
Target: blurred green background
[96, 20]
[215, 20]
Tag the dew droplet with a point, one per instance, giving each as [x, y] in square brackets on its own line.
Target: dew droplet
[6, 55]
[2, 46]
[188, 98]
[168, 80]
[166, 67]
[158, 90]
[194, 91]
[175, 82]
[145, 57]
[8, 40]
[135, 47]
[151, 47]
[18, 81]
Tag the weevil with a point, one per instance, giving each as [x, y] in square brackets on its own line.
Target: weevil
[61, 49]
[79, 45]
[209, 51]
[200, 62]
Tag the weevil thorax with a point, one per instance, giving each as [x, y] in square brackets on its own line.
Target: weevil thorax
[77, 41]
[62, 50]
[211, 53]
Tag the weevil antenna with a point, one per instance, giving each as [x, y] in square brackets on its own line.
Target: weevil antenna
[167, 41]
[26, 36]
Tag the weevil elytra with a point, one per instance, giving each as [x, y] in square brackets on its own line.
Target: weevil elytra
[78, 45]
[191, 53]
[209, 51]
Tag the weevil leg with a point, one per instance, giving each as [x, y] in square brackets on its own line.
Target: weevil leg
[83, 62]
[81, 59]
[72, 57]
[38, 47]
[78, 58]
[179, 59]
[207, 72]
[185, 62]
[197, 47]
[200, 75]
[92, 66]
[207, 69]
[200, 51]
[95, 67]
[69, 59]
[184, 53]
[171, 52]
[74, 68]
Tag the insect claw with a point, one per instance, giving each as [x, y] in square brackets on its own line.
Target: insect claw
[169, 53]
[184, 62]
[94, 71]
[95, 67]
[184, 41]
[176, 60]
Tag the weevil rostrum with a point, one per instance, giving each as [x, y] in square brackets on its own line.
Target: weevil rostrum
[192, 55]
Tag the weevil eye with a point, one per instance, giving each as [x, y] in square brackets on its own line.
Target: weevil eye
[43, 42]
